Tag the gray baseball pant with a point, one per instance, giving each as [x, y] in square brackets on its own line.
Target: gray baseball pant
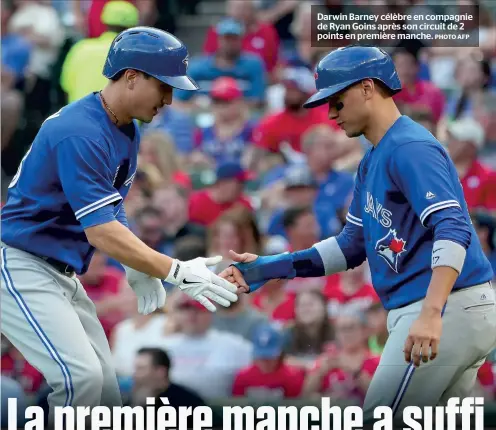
[51, 320]
[468, 336]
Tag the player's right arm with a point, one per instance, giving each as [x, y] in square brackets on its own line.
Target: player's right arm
[87, 182]
[333, 255]
[120, 243]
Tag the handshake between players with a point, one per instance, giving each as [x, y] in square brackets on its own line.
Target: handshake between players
[193, 277]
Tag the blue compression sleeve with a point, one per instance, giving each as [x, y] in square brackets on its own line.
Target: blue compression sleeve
[306, 263]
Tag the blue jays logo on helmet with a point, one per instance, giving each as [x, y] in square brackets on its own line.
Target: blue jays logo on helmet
[390, 248]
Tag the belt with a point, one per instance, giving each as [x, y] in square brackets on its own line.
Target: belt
[59, 266]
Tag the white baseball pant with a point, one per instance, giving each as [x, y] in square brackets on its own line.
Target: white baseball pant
[51, 320]
[468, 336]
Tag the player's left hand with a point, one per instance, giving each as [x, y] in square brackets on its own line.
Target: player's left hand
[422, 343]
[150, 291]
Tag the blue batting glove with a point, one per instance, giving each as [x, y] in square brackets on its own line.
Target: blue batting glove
[264, 269]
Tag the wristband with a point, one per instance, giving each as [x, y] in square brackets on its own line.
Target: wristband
[448, 253]
[174, 272]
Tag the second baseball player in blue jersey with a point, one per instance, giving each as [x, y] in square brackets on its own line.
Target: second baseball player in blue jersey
[409, 219]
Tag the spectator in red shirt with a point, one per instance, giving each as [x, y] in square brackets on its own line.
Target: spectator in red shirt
[345, 370]
[353, 293]
[466, 138]
[269, 377]
[104, 286]
[416, 92]
[275, 302]
[205, 206]
[312, 330]
[260, 37]
[282, 131]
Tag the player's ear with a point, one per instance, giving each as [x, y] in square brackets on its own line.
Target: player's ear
[131, 76]
[368, 88]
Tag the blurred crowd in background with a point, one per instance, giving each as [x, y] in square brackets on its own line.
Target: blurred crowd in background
[239, 165]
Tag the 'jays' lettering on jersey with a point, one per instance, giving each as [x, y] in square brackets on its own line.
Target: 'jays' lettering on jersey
[404, 187]
[78, 164]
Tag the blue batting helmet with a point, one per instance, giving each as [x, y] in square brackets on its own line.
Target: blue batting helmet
[345, 66]
[152, 51]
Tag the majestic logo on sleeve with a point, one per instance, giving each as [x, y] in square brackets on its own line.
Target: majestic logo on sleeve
[390, 248]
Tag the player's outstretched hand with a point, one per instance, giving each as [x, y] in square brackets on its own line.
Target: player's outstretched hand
[422, 343]
[233, 275]
[149, 291]
[195, 279]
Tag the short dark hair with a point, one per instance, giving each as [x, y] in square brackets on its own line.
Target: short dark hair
[293, 214]
[119, 74]
[160, 358]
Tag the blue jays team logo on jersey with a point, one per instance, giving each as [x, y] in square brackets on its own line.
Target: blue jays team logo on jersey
[390, 248]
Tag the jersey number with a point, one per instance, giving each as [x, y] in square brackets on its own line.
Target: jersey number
[15, 179]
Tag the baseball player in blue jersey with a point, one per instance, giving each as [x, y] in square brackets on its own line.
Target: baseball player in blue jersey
[409, 219]
[67, 199]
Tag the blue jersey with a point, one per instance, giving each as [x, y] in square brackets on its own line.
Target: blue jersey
[405, 188]
[78, 165]
[224, 150]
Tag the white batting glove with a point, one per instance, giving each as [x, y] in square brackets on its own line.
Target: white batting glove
[149, 290]
[195, 279]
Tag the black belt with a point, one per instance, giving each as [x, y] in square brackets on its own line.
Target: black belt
[59, 266]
